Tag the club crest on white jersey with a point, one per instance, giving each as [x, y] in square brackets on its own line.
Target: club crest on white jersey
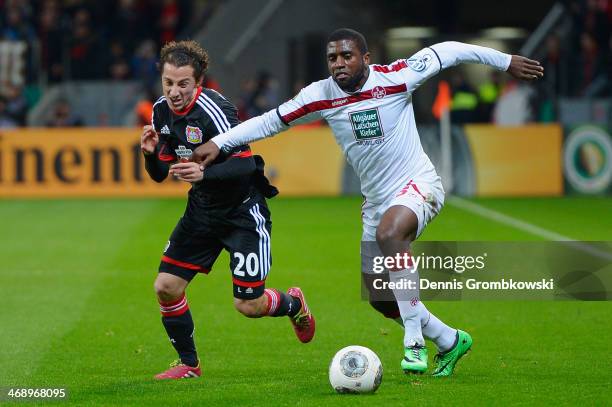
[378, 92]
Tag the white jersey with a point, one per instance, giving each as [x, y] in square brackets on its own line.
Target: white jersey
[374, 126]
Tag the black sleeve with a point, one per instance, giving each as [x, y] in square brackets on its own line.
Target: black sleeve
[157, 169]
[233, 167]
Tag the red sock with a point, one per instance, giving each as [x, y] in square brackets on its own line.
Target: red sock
[281, 304]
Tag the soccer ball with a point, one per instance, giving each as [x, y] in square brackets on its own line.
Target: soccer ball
[355, 369]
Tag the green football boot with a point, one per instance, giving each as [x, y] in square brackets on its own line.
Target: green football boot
[415, 359]
[445, 362]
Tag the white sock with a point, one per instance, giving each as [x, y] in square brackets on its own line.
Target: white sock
[437, 331]
[407, 301]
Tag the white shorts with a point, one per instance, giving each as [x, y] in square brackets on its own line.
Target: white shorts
[424, 198]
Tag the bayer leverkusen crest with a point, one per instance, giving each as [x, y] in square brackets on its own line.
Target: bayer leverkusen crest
[194, 134]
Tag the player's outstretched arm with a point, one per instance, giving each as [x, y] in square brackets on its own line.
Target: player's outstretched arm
[525, 69]
[292, 112]
[452, 53]
[256, 128]
[431, 60]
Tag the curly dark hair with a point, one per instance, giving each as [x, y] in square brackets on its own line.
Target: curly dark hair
[184, 53]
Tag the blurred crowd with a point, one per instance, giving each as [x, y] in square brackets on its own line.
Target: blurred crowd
[13, 106]
[580, 66]
[258, 95]
[88, 39]
[120, 40]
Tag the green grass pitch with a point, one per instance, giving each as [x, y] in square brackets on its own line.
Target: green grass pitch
[79, 312]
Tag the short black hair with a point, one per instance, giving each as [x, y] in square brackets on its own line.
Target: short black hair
[349, 34]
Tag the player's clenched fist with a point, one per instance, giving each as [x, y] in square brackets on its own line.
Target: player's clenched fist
[148, 140]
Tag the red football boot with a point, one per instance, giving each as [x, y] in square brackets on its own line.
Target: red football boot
[178, 370]
[303, 322]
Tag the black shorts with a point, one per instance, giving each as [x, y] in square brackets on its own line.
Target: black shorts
[244, 232]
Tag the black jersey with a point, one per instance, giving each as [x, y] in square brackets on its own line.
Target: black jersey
[229, 180]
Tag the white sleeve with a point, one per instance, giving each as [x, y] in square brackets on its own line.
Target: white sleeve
[303, 108]
[256, 128]
[431, 60]
[452, 53]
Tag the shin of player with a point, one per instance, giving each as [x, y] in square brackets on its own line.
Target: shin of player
[176, 317]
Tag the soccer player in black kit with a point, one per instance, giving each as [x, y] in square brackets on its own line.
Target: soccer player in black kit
[226, 207]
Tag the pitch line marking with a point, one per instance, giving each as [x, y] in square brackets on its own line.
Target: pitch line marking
[526, 226]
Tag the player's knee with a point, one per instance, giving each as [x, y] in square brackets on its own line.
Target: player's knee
[249, 308]
[397, 224]
[167, 290]
[388, 234]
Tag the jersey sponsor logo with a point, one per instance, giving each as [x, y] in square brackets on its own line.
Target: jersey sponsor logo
[420, 63]
[183, 153]
[366, 125]
[378, 92]
[165, 130]
[339, 102]
[194, 134]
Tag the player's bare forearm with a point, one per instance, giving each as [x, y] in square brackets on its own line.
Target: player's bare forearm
[206, 153]
[525, 69]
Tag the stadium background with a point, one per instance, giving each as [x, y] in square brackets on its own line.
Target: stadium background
[528, 162]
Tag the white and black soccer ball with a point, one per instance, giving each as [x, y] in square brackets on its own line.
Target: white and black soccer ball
[355, 369]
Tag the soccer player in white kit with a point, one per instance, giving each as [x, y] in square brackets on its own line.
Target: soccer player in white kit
[369, 109]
